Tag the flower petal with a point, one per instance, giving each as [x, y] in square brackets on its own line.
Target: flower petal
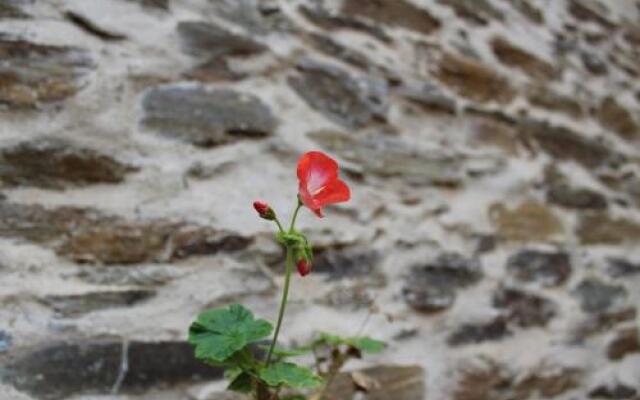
[335, 191]
[316, 170]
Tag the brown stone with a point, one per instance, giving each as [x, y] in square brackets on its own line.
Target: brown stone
[564, 144]
[55, 163]
[529, 221]
[524, 309]
[548, 382]
[548, 99]
[477, 11]
[601, 228]
[398, 13]
[391, 382]
[618, 119]
[513, 56]
[626, 341]
[588, 10]
[474, 80]
[528, 10]
[603, 322]
[331, 21]
[32, 74]
[481, 379]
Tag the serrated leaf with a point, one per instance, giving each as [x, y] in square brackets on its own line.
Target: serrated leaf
[290, 375]
[241, 384]
[218, 334]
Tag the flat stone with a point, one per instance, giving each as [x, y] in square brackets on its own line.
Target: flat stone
[128, 275]
[428, 96]
[326, 45]
[547, 268]
[626, 341]
[398, 13]
[524, 309]
[480, 377]
[603, 322]
[475, 333]
[548, 381]
[330, 21]
[513, 56]
[576, 198]
[346, 263]
[204, 39]
[477, 11]
[590, 11]
[73, 305]
[33, 74]
[544, 97]
[92, 367]
[594, 63]
[618, 119]
[622, 268]
[617, 391]
[387, 382]
[527, 9]
[206, 117]
[564, 144]
[10, 9]
[85, 235]
[255, 16]
[159, 4]
[53, 163]
[388, 156]
[601, 228]
[527, 222]
[5, 341]
[432, 287]
[348, 297]
[474, 80]
[348, 101]
[596, 296]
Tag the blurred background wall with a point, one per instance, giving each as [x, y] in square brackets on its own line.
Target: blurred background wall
[492, 148]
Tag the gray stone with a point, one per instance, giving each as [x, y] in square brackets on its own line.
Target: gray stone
[477, 11]
[11, 9]
[594, 63]
[524, 309]
[429, 96]
[603, 322]
[54, 163]
[34, 74]
[398, 13]
[546, 268]
[93, 367]
[5, 341]
[73, 305]
[256, 16]
[596, 296]
[576, 198]
[206, 117]
[622, 268]
[204, 39]
[353, 262]
[387, 382]
[617, 391]
[348, 101]
[159, 4]
[432, 287]
[325, 19]
[467, 334]
[128, 276]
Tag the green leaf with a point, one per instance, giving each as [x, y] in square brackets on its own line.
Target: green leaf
[362, 343]
[280, 352]
[218, 334]
[367, 344]
[241, 384]
[289, 374]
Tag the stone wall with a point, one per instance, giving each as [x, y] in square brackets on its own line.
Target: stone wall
[492, 147]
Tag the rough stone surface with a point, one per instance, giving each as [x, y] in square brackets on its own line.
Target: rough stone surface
[328, 20]
[432, 287]
[65, 369]
[542, 96]
[546, 268]
[73, 305]
[617, 118]
[340, 97]
[394, 13]
[477, 333]
[602, 229]
[477, 11]
[33, 74]
[626, 341]
[622, 268]
[54, 163]
[524, 309]
[206, 117]
[515, 57]
[576, 198]
[528, 221]
[401, 382]
[597, 296]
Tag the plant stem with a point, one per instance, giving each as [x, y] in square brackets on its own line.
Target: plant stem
[279, 225]
[283, 303]
[295, 216]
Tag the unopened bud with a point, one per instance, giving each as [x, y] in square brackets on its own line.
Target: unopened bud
[304, 268]
[264, 211]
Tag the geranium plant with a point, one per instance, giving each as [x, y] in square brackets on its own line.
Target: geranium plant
[229, 337]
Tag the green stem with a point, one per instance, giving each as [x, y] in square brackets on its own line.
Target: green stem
[295, 216]
[283, 303]
[279, 225]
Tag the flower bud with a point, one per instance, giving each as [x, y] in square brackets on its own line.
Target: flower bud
[264, 211]
[304, 268]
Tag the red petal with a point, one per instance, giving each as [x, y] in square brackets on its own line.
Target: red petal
[308, 200]
[315, 170]
[335, 192]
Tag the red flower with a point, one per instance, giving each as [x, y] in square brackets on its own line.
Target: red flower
[264, 210]
[319, 183]
[304, 268]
